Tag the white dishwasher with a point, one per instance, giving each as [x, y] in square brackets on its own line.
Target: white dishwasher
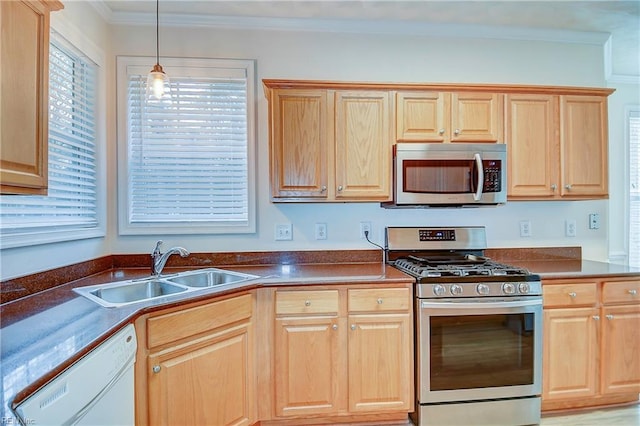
[96, 390]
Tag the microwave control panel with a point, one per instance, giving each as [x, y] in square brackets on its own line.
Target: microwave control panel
[492, 176]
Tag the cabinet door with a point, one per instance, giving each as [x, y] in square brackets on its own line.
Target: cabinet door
[569, 362]
[532, 145]
[204, 382]
[621, 349]
[363, 145]
[24, 54]
[380, 362]
[422, 116]
[307, 364]
[583, 123]
[299, 152]
[476, 117]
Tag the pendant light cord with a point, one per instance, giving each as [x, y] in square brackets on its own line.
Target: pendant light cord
[157, 33]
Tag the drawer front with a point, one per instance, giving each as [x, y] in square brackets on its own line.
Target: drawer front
[621, 291]
[379, 299]
[570, 294]
[189, 322]
[307, 302]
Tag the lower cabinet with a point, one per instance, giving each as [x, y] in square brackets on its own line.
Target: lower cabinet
[197, 366]
[342, 352]
[591, 342]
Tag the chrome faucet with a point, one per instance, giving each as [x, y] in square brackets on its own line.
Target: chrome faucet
[158, 259]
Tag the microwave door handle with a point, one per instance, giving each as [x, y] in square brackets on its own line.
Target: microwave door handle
[478, 194]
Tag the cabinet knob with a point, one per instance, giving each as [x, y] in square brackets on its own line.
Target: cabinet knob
[353, 326]
[323, 189]
[307, 303]
[334, 326]
[379, 301]
[567, 187]
[456, 131]
[156, 368]
[633, 292]
[441, 131]
[572, 294]
[554, 186]
[609, 317]
[596, 317]
[339, 188]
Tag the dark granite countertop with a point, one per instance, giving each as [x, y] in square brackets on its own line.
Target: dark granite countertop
[577, 269]
[45, 333]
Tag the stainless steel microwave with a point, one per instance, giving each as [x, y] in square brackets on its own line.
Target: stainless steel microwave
[449, 174]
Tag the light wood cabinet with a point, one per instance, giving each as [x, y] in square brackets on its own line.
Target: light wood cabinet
[342, 352]
[591, 342]
[557, 146]
[449, 117]
[329, 145]
[196, 366]
[24, 95]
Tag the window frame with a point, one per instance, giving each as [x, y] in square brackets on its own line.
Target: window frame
[67, 36]
[629, 111]
[173, 65]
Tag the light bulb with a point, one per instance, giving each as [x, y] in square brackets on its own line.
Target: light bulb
[158, 86]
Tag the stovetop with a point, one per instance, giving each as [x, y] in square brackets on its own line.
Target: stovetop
[456, 266]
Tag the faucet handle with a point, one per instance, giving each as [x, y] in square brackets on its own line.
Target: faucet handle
[156, 251]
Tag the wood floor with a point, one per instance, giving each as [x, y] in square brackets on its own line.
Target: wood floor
[622, 416]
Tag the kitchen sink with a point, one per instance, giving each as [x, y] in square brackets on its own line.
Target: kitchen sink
[122, 293]
[210, 278]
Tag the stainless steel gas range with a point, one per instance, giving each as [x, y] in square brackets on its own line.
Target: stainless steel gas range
[478, 329]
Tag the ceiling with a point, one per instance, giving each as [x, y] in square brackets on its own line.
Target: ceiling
[613, 23]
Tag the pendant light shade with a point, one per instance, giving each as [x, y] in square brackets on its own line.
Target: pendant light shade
[158, 87]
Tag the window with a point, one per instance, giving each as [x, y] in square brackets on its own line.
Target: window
[187, 167]
[69, 211]
[633, 128]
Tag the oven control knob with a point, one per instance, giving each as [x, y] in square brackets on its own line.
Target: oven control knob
[523, 288]
[456, 290]
[482, 289]
[509, 288]
[438, 290]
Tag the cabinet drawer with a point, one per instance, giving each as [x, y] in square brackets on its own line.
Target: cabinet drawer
[307, 302]
[621, 291]
[189, 322]
[569, 294]
[379, 299]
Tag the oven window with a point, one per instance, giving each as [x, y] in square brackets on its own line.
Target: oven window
[481, 351]
[437, 176]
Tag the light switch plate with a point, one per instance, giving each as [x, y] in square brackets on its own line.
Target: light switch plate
[284, 231]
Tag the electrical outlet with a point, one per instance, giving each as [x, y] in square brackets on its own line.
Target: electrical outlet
[284, 232]
[321, 231]
[570, 228]
[525, 228]
[365, 227]
[594, 221]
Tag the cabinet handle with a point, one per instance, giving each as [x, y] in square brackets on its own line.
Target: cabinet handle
[572, 294]
[633, 292]
[568, 187]
[323, 189]
[156, 368]
[339, 188]
[554, 187]
[353, 326]
[334, 326]
[609, 317]
[379, 301]
[596, 317]
[441, 131]
[307, 303]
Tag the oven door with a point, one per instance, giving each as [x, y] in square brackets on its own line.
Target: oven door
[482, 348]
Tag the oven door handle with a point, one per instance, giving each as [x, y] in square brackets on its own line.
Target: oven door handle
[480, 183]
[478, 304]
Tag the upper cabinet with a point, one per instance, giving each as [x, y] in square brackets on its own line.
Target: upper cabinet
[557, 146]
[24, 55]
[332, 141]
[448, 117]
[330, 145]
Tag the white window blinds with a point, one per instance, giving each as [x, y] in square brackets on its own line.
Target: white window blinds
[71, 203]
[634, 187]
[188, 161]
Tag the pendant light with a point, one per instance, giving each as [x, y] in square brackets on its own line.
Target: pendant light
[158, 89]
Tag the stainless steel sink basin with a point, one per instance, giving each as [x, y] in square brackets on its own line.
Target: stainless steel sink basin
[126, 292]
[210, 278]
